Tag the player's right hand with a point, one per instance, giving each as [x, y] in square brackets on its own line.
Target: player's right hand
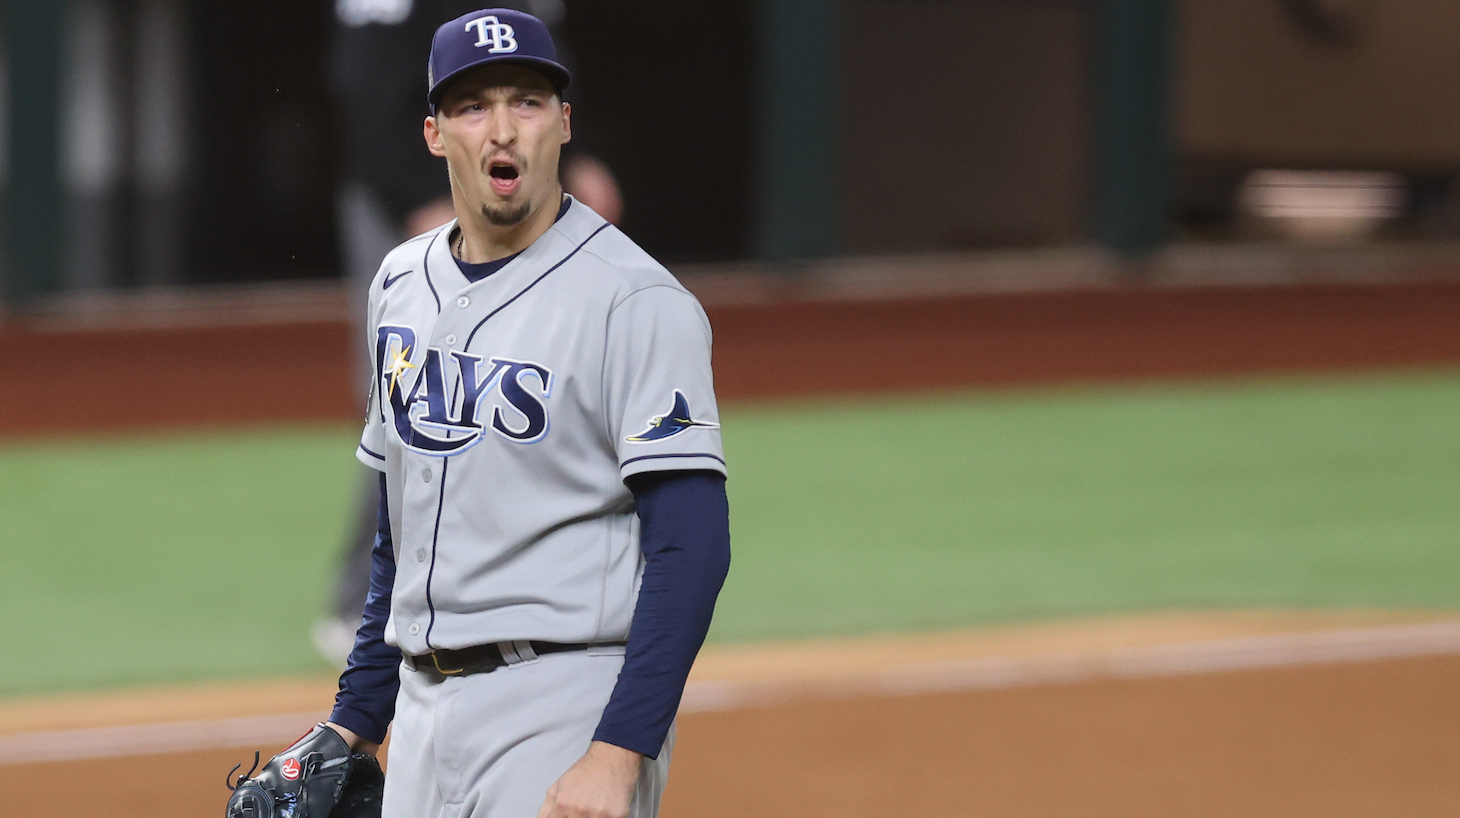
[600, 785]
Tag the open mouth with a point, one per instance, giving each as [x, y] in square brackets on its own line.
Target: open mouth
[504, 177]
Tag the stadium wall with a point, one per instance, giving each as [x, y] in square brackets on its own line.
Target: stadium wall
[227, 365]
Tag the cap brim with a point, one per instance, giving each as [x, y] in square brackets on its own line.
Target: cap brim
[555, 73]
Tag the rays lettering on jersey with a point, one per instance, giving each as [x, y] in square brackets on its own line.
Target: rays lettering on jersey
[435, 405]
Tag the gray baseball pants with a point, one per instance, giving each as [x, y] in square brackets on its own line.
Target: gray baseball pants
[488, 745]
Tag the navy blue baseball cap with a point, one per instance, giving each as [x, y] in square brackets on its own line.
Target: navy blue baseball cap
[492, 36]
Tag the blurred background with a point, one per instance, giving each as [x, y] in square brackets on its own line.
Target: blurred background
[1090, 374]
[156, 143]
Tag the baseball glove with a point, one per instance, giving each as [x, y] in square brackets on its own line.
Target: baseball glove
[317, 777]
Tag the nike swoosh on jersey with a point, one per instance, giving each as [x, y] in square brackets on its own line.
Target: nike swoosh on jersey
[385, 285]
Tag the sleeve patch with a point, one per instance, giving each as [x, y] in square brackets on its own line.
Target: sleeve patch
[671, 423]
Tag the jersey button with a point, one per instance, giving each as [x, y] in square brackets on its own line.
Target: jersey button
[415, 628]
[450, 340]
[420, 555]
[426, 476]
[463, 302]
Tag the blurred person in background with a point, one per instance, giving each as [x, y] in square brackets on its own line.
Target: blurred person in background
[392, 188]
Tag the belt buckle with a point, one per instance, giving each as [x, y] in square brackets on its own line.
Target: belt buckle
[436, 660]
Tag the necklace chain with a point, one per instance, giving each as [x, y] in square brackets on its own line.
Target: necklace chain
[460, 250]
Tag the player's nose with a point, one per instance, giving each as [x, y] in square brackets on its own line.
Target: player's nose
[502, 130]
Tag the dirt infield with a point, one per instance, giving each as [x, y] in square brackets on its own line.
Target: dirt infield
[1278, 734]
[246, 372]
[1372, 739]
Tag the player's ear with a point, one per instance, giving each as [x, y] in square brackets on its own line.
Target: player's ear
[434, 143]
[567, 123]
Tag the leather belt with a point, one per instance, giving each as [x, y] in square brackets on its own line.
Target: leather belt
[487, 658]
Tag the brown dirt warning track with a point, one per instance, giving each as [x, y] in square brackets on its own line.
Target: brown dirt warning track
[232, 371]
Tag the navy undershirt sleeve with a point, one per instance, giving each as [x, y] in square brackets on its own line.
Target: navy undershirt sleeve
[366, 701]
[685, 537]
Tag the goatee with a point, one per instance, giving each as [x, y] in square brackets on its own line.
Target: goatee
[506, 215]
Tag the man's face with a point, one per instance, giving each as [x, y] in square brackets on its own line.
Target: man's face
[501, 129]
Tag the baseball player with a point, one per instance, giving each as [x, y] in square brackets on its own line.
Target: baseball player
[553, 523]
[391, 190]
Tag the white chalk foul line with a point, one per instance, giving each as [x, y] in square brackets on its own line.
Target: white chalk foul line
[268, 733]
[989, 673]
[1181, 659]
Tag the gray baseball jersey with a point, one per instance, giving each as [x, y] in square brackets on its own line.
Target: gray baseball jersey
[506, 414]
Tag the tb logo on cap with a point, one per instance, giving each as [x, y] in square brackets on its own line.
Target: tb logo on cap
[491, 32]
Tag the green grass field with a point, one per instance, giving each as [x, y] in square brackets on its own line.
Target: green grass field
[200, 556]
